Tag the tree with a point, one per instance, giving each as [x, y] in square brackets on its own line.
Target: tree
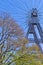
[12, 37]
[9, 31]
[21, 57]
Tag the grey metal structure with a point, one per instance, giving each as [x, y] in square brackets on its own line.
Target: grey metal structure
[31, 29]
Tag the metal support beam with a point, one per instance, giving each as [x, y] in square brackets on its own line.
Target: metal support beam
[31, 29]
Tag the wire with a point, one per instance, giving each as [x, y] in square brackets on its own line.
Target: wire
[17, 7]
[40, 4]
[24, 4]
[33, 4]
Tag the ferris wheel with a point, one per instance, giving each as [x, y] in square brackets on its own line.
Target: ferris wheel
[24, 10]
[31, 13]
[21, 9]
